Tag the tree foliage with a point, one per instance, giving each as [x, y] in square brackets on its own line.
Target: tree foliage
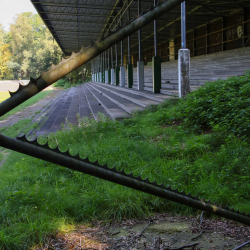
[5, 56]
[28, 48]
[31, 48]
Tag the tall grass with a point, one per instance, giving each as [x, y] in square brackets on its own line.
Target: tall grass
[38, 198]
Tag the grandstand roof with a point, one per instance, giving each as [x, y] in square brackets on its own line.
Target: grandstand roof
[77, 23]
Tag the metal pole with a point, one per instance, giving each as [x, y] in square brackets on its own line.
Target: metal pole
[183, 25]
[121, 54]
[139, 31]
[111, 57]
[120, 177]
[102, 62]
[129, 59]
[155, 31]
[108, 60]
[105, 59]
[116, 56]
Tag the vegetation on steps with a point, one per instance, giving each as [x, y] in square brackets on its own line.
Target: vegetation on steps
[200, 144]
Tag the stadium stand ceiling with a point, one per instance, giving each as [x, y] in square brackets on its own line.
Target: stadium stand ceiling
[211, 25]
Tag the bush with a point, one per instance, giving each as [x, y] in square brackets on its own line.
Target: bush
[61, 82]
[221, 105]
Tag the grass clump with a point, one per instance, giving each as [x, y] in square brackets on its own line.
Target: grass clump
[177, 143]
[221, 105]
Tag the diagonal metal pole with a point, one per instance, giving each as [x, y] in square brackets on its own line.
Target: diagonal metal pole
[120, 177]
[85, 55]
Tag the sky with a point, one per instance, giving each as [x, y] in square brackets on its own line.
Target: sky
[9, 8]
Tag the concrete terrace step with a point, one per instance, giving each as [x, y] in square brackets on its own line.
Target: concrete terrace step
[140, 100]
[45, 112]
[94, 105]
[53, 115]
[125, 104]
[111, 108]
[170, 92]
[67, 107]
[146, 94]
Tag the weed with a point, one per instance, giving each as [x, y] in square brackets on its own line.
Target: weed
[38, 198]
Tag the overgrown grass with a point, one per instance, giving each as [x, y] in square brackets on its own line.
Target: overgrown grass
[170, 143]
[4, 95]
[27, 103]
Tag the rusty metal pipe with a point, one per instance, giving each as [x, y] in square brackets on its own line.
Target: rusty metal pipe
[85, 55]
[103, 172]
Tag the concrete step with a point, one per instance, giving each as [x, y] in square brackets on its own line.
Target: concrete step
[139, 100]
[170, 92]
[146, 94]
[114, 111]
[94, 105]
[125, 104]
[67, 107]
[45, 112]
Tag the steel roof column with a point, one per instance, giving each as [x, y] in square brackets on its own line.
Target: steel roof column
[117, 69]
[130, 66]
[183, 58]
[112, 69]
[140, 63]
[100, 68]
[122, 68]
[103, 69]
[156, 62]
[109, 69]
[106, 68]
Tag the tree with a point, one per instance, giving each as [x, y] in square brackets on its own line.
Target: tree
[1, 35]
[32, 45]
[5, 56]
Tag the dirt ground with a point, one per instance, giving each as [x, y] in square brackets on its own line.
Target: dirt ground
[161, 232]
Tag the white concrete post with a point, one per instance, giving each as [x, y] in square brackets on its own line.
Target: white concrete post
[122, 76]
[106, 76]
[112, 77]
[140, 75]
[100, 76]
[184, 72]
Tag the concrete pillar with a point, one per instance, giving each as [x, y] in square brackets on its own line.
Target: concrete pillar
[140, 75]
[184, 72]
[106, 76]
[122, 76]
[117, 70]
[92, 77]
[112, 77]
[156, 68]
[100, 76]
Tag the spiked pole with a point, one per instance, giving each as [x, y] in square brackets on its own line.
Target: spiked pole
[34, 149]
[76, 60]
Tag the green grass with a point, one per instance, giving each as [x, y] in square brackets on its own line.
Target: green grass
[4, 95]
[27, 103]
[162, 143]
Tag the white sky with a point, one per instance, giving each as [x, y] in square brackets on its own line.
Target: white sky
[9, 8]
